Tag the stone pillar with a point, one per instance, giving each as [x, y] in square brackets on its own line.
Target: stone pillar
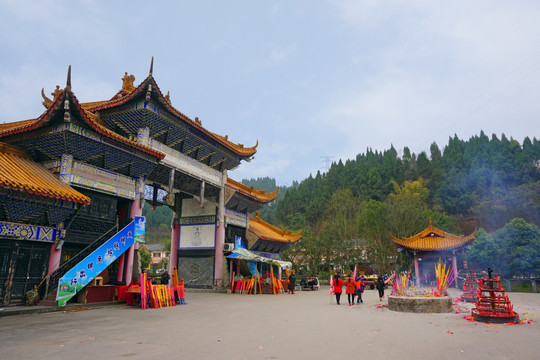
[175, 237]
[416, 269]
[136, 210]
[218, 265]
[54, 258]
[120, 274]
[220, 236]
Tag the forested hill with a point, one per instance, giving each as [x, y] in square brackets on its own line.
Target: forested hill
[483, 182]
[268, 185]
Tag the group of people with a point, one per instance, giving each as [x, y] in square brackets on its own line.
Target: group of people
[354, 287]
[311, 283]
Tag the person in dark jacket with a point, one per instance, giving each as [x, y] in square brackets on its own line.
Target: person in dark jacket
[380, 286]
[165, 277]
[292, 282]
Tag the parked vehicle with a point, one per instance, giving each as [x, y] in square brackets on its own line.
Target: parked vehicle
[370, 281]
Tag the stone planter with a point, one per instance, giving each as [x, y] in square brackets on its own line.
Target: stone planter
[420, 304]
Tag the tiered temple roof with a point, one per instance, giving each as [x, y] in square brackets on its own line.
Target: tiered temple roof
[245, 198]
[167, 124]
[21, 173]
[433, 239]
[55, 107]
[65, 127]
[266, 237]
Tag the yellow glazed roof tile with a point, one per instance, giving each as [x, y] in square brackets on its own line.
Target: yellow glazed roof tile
[259, 195]
[90, 118]
[433, 239]
[265, 231]
[20, 173]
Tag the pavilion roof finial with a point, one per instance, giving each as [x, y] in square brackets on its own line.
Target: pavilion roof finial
[68, 80]
[151, 67]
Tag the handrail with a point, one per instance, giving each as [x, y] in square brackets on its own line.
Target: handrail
[53, 278]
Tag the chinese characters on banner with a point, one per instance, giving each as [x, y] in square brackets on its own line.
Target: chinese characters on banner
[90, 267]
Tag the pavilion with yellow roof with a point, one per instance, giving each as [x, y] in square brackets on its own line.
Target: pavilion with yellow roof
[431, 244]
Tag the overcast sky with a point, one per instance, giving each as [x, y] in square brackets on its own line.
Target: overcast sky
[310, 80]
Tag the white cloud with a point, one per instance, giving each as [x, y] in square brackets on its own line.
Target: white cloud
[442, 69]
[330, 79]
[279, 54]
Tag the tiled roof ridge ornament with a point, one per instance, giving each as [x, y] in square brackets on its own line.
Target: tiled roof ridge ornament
[68, 80]
[197, 121]
[168, 97]
[127, 82]
[67, 89]
[149, 91]
[48, 102]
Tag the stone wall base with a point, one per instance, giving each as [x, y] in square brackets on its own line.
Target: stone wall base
[420, 304]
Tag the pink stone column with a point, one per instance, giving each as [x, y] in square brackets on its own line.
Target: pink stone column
[417, 270]
[120, 274]
[175, 237]
[54, 258]
[220, 237]
[136, 210]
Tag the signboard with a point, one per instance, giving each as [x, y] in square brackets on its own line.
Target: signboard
[140, 229]
[197, 236]
[90, 267]
[238, 244]
[236, 218]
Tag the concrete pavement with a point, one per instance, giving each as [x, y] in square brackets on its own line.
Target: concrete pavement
[307, 325]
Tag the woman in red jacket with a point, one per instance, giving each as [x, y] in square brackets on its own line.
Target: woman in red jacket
[350, 289]
[338, 284]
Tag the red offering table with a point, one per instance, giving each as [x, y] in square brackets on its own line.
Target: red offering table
[121, 292]
[133, 295]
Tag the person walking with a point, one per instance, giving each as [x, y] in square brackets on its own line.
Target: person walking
[380, 287]
[350, 289]
[292, 282]
[338, 284]
[360, 285]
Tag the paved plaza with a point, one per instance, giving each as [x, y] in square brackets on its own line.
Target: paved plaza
[307, 325]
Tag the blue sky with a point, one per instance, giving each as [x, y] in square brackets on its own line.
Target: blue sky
[307, 79]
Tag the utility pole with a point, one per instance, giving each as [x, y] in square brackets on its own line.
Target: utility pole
[327, 162]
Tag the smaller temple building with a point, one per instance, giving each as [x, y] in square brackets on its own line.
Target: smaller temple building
[430, 245]
[263, 244]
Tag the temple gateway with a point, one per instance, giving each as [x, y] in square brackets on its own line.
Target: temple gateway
[73, 182]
